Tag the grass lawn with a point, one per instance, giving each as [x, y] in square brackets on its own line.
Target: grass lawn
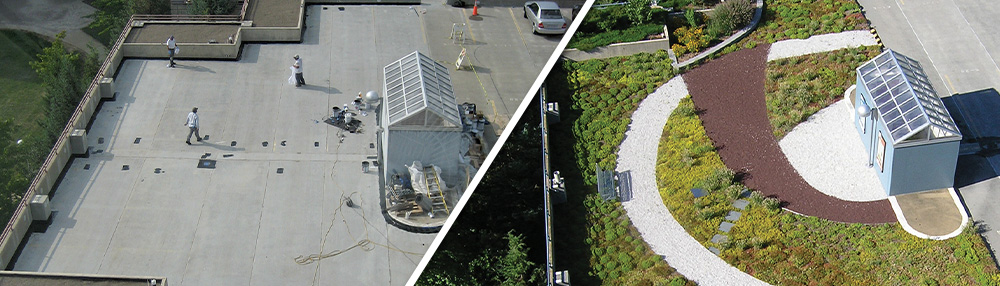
[595, 240]
[21, 90]
[799, 87]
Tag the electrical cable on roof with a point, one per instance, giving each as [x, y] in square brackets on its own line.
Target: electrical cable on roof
[365, 243]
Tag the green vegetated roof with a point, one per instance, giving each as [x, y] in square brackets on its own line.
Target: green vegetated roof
[904, 98]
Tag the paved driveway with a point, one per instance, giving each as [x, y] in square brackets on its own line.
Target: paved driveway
[956, 41]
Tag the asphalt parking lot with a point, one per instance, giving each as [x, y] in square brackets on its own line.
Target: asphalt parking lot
[503, 56]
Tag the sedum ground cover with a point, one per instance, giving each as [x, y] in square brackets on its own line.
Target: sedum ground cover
[595, 238]
[788, 249]
[798, 87]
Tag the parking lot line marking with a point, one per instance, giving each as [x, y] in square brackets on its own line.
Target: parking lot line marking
[422, 30]
[467, 24]
[949, 82]
[514, 19]
[485, 94]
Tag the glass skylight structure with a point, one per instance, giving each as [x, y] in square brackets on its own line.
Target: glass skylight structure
[905, 100]
[418, 92]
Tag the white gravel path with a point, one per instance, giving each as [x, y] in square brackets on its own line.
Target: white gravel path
[646, 209]
[820, 43]
[840, 170]
[827, 151]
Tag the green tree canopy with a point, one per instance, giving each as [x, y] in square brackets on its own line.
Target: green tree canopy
[213, 7]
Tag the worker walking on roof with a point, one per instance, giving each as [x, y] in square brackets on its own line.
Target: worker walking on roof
[192, 124]
[297, 68]
[171, 50]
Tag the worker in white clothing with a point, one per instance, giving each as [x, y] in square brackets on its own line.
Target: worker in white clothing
[192, 123]
[171, 50]
[297, 68]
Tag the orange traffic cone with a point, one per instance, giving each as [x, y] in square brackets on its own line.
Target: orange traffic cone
[475, 10]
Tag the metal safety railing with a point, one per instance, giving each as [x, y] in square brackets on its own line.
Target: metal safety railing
[547, 186]
[202, 18]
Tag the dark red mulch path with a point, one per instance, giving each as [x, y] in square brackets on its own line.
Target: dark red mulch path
[729, 94]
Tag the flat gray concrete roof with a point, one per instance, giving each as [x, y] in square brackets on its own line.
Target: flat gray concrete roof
[242, 222]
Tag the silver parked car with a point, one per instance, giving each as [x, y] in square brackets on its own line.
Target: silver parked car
[545, 17]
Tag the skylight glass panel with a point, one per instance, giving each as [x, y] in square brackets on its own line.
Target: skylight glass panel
[903, 96]
[416, 83]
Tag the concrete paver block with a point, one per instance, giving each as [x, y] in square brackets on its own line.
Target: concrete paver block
[726, 226]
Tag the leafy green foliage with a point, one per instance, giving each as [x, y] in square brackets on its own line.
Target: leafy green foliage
[689, 40]
[13, 179]
[688, 160]
[594, 239]
[798, 87]
[20, 88]
[64, 87]
[33, 104]
[514, 268]
[213, 7]
[693, 19]
[493, 238]
[794, 19]
[674, 4]
[729, 16]
[618, 257]
[109, 20]
[788, 249]
[605, 92]
[111, 16]
[509, 267]
[602, 27]
[633, 34]
[638, 11]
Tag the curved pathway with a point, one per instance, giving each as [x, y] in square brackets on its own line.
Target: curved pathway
[730, 93]
[820, 43]
[649, 215]
[840, 170]
[658, 227]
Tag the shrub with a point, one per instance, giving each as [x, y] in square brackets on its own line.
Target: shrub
[638, 11]
[693, 20]
[690, 40]
[718, 179]
[213, 7]
[729, 16]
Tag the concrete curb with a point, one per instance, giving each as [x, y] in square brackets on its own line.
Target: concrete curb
[757, 15]
[622, 49]
[906, 225]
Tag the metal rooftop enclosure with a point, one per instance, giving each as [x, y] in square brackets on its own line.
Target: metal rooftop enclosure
[418, 92]
[905, 100]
